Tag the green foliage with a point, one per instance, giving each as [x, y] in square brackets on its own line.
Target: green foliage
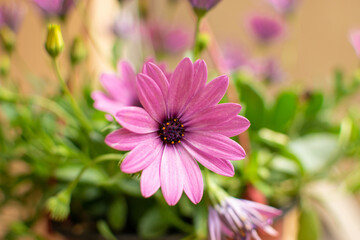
[309, 225]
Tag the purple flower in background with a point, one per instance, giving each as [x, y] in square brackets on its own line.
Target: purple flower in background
[354, 37]
[284, 6]
[265, 29]
[124, 24]
[234, 57]
[204, 4]
[167, 40]
[239, 219]
[58, 8]
[266, 69]
[181, 124]
[11, 15]
[121, 90]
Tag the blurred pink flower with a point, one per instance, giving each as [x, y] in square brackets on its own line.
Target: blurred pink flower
[354, 37]
[284, 6]
[239, 219]
[266, 69]
[234, 57]
[121, 90]
[265, 29]
[165, 39]
[11, 15]
[124, 24]
[204, 4]
[181, 121]
[58, 8]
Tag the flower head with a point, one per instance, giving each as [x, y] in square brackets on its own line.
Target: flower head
[266, 69]
[121, 90]
[265, 29]
[284, 6]
[234, 57]
[124, 25]
[235, 218]
[181, 124]
[167, 40]
[205, 5]
[54, 41]
[11, 16]
[354, 37]
[58, 8]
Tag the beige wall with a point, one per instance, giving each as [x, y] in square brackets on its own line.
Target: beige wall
[316, 41]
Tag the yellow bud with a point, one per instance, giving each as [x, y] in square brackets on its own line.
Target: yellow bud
[203, 41]
[4, 65]
[54, 42]
[8, 38]
[78, 51]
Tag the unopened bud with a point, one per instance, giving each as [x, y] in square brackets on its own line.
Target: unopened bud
[59, 205]
[78, 51]
[203, 41]
[8, 39]
[54, 42]
[4, 65]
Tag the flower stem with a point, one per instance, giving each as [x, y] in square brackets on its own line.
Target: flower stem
[196, 50]
[79, 114]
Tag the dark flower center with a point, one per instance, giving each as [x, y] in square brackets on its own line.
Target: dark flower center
[171, 131]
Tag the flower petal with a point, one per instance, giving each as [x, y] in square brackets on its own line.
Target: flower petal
[216, 145]
[137, 120]
[141, 156]
[193, 181]
[125, 140]
[214, 225]
[217, 165]
[158, 76]
[213, 115]
[210, 95]
[150, 176]
[171, 175]
[151, 97]
[180, 83]
[230, 128]
[116, 88]
[104, 103]
[127, 72]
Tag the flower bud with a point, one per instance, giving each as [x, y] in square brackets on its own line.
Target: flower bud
[7, 37]
[54, 42]
[78, 51]
[4, 65]
[59, 205]
[203, 41]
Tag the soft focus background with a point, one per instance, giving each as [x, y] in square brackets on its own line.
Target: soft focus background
[315, 44]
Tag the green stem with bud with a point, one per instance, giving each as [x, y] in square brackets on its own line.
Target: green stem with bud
[196, 50]
[79, 114]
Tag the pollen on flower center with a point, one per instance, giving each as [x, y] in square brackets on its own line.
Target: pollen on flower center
[171, 131]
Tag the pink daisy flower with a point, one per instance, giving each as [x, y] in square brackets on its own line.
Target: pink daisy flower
[11, 15]
[204, 4]
[239, 219]
[284, 6]
[121, 90]
[265, 29]
[181, 124]
[354, 37]
[165, 39]
[58, 8]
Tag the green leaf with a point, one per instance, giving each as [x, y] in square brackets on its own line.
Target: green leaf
[153, 224]
[117, 213]
[314, 104]
[309, 225]
[254, 103]
[315, 151]
[340, 89]
[105, 231]
[283, 111]
[91, 176]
